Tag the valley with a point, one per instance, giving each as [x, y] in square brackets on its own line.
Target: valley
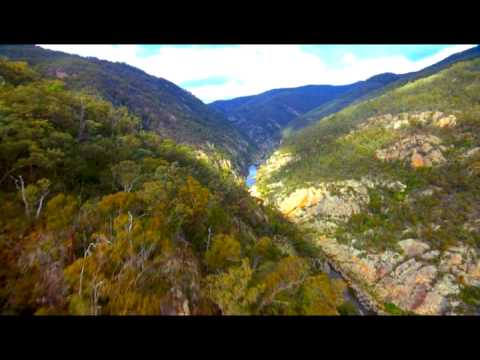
[349, 294]
[359, 199]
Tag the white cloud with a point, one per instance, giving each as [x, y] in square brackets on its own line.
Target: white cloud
[349, 58]
[251, 69]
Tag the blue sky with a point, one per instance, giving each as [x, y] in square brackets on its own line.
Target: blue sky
[215, 72]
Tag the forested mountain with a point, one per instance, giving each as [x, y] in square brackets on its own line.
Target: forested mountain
[102, 217]
[120, 194]
[355, 91]
[162, 106]
[375, 86]
[262, 117]
[390, 185]
[268, 117]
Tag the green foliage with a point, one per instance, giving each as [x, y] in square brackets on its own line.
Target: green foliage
[126, 173]
[225, 251]
[176, 239]
[327, 154]
[470, 295]
[161, 105]
[393, 309]
[321, 296]
[16, 72]
[232, 291]
[347, 308]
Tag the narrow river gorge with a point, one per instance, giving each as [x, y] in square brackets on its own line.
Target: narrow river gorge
[349, 294]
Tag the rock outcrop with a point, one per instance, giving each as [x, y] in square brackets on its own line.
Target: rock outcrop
[412, 280]
[418, 150]
[414, 275]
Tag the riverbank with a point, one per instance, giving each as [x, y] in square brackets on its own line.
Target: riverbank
[360, 295]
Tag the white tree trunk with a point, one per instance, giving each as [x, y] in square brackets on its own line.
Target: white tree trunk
[20, 184]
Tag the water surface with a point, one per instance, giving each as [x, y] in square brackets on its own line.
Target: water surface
[252, 173]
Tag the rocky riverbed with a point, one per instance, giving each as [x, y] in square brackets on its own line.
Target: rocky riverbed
[353, 294]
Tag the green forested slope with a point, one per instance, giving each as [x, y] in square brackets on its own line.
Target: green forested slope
[392, 178]
[325, 154]
[161, 105]
[262, 117]
[376, 86]
[102, 217]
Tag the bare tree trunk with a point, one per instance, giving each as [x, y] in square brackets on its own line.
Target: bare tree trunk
[130, 221]
[87, 252]
[40, 204]
[19, 183]
[95, 297]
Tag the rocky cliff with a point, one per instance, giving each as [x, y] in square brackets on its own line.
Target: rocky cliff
[409, 268]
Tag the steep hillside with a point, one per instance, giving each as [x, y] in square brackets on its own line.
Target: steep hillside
[374, 87]
[356, 91]
[262, 117]
[391, 188]
[162, 106]
[267, 117]
[100, 217]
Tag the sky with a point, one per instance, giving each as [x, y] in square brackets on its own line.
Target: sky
[220, 72]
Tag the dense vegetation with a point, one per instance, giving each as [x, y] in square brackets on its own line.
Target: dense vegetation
[162, 106]
[327, 154]
[269, 117]
[355, 92]
[263, 117]
[102, 217]
[374, 87]
[336, 148]
[436, 204]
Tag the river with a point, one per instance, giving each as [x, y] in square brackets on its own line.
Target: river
[252, 173]
[349, 294]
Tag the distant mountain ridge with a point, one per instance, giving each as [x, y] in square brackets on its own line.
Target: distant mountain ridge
[386, 81]
[267, 117]
[262, 117]
[390, 188]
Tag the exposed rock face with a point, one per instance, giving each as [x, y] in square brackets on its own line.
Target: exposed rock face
[410, 281]
[412, 247]
[402, 120]
[471, 152]
[60, 74]
[336, 200]
[277, 161]
[419, 150]
[414, 275]
[218, 162]
[415, 278]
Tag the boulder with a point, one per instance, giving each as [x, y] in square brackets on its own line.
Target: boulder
[431, 255]
[412, 247]
[448, 121]
[417, 160]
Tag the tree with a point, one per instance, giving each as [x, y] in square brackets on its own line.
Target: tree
[225, 251]
[32, 196]
[126, 174]
[264, 249]
[289, 274]
[232, 291]
[16, 72]
[321, 296]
